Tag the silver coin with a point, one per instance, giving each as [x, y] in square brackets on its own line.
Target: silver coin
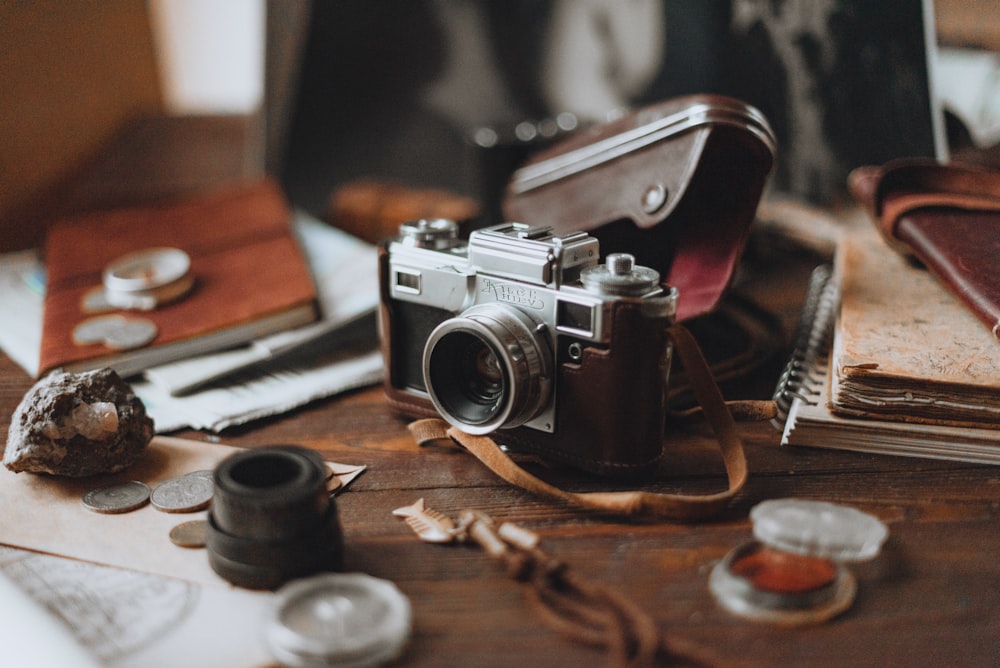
[184, 494]
[96, 330]
[189, 534]
[208, 474]
[131, 333]
[117, 498]
[94, 301]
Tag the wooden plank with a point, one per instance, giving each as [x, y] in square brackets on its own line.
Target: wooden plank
[71, 74]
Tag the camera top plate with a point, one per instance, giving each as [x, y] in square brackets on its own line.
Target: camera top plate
[533, 254]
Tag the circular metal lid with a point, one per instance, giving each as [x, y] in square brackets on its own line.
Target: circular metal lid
[818, 528]
[338, 619]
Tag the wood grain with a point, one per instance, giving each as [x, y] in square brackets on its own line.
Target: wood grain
[932, 598]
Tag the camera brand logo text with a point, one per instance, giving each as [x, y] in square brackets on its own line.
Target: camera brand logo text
[514, 293]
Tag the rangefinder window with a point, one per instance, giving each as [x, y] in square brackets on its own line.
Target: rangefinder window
[408, 282]
[575, 318]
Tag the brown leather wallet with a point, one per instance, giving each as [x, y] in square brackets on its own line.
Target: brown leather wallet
[676, 184]
[948, 217]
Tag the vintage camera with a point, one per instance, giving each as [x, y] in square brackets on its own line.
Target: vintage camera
[523, 332]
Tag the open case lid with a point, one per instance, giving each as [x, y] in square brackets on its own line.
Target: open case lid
[676, 184]
[818, 529]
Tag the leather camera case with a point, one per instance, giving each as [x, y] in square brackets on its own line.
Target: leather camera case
[677, 184]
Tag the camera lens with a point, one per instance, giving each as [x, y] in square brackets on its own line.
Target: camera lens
[469, 377]
[488, 368]
[482, 372]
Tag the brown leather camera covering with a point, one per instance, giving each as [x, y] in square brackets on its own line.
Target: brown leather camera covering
[610, 406]
[713, 166]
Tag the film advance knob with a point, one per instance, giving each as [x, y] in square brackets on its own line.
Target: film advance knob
[434, 233]
[620, 276]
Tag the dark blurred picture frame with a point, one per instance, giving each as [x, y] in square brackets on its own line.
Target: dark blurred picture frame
[842, 82]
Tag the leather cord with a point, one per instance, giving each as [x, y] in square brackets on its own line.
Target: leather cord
[584, 611]
[632, 503]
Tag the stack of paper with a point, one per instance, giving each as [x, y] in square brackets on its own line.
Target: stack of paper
[269, 375]
[910, 370]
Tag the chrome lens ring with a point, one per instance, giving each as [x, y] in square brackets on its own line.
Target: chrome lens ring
[488, 368]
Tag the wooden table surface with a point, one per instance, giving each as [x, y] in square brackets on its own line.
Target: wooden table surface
[932, 598]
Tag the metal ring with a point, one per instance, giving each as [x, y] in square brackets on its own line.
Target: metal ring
[148, 278]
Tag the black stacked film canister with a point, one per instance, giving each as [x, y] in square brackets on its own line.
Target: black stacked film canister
[272, 518]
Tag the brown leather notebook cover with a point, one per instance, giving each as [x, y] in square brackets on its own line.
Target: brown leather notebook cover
[250, 277]
[948, 216]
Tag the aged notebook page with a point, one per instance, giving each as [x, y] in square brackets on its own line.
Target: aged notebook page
[904, 347]
[811, 423]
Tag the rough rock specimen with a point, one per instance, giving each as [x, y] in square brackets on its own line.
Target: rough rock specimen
[78, 424]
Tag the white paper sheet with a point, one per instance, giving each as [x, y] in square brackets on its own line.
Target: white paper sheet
[22, 290]
[275, 375]
[63, 612]
[115, 585]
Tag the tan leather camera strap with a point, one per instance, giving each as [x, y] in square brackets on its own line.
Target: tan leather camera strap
[632, 503]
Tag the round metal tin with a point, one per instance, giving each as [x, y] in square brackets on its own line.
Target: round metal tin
[338, 619]
[792, 574]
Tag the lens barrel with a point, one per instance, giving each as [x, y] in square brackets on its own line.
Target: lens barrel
[488, 368]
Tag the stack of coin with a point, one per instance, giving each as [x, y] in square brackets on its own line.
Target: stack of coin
[117, 332]
[187, 493]
[184, 494]
[148, 278]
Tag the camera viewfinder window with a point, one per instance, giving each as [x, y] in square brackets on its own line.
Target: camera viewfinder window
[408, 282]
[576, 317]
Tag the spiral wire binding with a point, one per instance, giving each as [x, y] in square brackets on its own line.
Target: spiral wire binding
[812, 342]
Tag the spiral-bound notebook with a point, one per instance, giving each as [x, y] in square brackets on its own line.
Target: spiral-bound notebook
[803, 399]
